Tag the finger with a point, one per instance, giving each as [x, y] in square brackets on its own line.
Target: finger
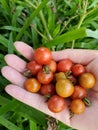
[15, 62]
[76, 55]
[13, 76]
[37, 101]
[24, 49]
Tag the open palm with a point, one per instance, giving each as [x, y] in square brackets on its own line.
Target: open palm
[14, 73]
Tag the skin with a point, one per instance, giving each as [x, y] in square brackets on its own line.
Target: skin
[16, 66]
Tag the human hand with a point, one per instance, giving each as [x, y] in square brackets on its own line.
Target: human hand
[14, 73]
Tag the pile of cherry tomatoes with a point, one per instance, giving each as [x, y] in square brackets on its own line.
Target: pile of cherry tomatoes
[59, 81]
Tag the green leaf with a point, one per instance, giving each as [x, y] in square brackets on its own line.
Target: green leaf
[93, 34]
[67, 37]
[72, 35]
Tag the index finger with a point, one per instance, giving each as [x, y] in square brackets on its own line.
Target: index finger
[82, 56]
[24, 49]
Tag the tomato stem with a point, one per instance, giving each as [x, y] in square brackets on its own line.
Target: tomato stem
[68, 73]
[27, 73]
[46, 69]
[87, 101]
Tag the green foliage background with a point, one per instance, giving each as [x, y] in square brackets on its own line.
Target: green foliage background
[56, 24]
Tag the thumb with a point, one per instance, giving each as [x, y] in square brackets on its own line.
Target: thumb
[76, 55]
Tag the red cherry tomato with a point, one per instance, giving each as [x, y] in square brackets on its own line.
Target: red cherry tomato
[87, 80]
[79, 92]
[34, 67]
[47, 89]
[64, 65]
[52, 66]
[44, 77]
[77, 106]
[32, 85]
[42, 55]
[78, 69]
[56, 104]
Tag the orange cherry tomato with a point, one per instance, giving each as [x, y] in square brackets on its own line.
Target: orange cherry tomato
[64, 65]
[79, 92]
[87, 80]
[77, 106]
[42, 55]
[60, 75]
[56, 104]
[32, 85]
[64, 88]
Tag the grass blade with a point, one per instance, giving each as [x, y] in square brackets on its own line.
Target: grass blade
[8, 107]
[10, 44]
[3, 100]
[27, 23]
[6, 7]
[31, 113]
[33, 125]
[4, 41]
[8, 124]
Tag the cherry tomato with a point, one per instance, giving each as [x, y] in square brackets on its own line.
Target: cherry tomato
[32, 85]
[56, 104]
[87, 80]
[79, 92]
[34, 67]
[52, 66]
[77, 106]
[64, 65]
[78, 69]
[64, 88]
[42, 55]
[60, 75]
[47, 89]
[44, 77]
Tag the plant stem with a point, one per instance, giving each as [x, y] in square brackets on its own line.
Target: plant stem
[81, 20]
[45, 25]
[43, 21]
[43, 36]
[83, 15]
